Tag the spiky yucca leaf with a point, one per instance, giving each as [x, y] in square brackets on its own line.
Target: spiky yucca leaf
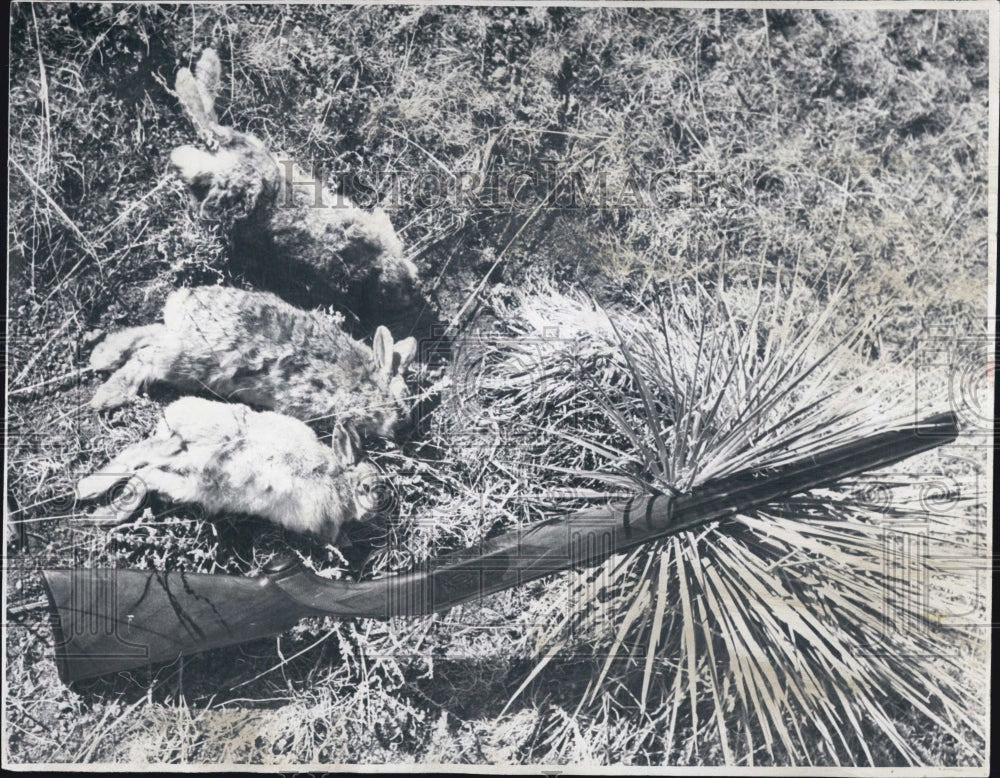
[783, 635]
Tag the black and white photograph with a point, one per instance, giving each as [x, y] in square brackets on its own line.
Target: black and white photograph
[500, 387]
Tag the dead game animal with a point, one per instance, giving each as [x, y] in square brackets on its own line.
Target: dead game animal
[328, 254]
[253, 348]
[230, 459]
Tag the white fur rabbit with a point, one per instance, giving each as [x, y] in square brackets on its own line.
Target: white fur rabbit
[311, 253]
[230, 459]
[254, 348]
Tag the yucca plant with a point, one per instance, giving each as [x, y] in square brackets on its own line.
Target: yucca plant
[783, 635]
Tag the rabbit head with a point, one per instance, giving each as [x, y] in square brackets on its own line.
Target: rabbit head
[370, 490]
[391, 361]
[235, 174]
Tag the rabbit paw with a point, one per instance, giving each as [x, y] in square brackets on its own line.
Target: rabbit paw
[109, 396]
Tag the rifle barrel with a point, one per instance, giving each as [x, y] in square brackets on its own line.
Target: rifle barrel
[109, 620]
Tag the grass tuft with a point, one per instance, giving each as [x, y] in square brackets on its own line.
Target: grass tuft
[747, 628]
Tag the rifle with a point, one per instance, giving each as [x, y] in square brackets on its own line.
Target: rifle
[109, 620]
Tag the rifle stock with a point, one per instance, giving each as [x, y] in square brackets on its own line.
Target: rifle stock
[108, 620]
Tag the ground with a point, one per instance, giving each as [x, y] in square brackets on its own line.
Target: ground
[610, 150]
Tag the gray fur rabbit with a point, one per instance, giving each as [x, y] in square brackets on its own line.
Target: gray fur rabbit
[252, 347]
[231, 459]
[310, 251]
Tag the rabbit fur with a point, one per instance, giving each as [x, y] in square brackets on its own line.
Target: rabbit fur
[254, 348]
[230, 459]
[337, 253]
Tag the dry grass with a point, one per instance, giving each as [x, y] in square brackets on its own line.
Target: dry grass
[792, 154]
[754, 624]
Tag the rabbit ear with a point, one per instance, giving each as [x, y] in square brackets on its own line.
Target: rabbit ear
[208, 73]
[189, 93]
[197, 92]
[343, 445]
[406, 350]
[382, 346]
[398, 390]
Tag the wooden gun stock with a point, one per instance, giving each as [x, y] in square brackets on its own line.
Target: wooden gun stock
[108, 620]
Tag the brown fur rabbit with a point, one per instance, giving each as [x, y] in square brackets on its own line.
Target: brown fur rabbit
[325, 252]
[230, 459]
[254, 348]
